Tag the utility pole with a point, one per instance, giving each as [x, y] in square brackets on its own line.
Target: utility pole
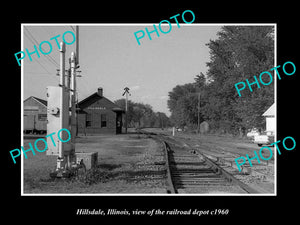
[198, 128]
[69, 76]
[197, 90]
[126, 92]
[161, 121]
[77, 44]
[74, 65]
[61, 146]
[73, 97]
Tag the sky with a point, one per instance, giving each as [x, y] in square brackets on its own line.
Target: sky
[110, 57]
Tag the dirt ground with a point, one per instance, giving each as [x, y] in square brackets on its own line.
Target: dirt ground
[126, 164]
[134, 164]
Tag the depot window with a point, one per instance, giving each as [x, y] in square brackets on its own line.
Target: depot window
[88, 121]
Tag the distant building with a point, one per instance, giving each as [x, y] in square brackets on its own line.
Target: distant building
[270, 119]
[96, 114]
[204, 127]
[35, 115]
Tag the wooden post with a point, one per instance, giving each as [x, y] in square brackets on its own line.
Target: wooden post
[73, 97]
[126, 107]
[198, 128]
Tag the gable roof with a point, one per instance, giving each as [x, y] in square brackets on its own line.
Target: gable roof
[41, 101]
[270, 111]
[95, 97]
[86, 101]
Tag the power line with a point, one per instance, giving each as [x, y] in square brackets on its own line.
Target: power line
[43, 67]
[35, 42]
[37, 60]
[29, 33]
[50, 59]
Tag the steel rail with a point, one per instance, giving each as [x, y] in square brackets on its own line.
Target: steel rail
[220, 170]
[170, 184]
[215, 177]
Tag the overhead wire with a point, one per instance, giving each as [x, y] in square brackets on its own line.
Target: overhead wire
[51, 60]
[35, 42]
[42, 65]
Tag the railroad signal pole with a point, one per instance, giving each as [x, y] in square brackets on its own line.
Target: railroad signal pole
[126, 92]
[58, 112]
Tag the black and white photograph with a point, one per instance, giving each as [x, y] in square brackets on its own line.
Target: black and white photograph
[162, 117]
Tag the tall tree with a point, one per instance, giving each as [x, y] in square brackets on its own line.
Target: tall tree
[238, 54]
[183, 104]
[142, 115]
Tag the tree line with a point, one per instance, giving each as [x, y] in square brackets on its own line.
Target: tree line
[238, 53]
[142, 115]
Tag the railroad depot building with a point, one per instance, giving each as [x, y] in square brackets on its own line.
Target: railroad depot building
[35, 115]
[97, 114]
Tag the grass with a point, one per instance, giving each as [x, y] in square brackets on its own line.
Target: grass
[126, 164]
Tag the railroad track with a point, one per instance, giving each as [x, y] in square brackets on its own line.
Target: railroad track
[190, 171]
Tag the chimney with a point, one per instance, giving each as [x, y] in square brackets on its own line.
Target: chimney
[100, 91]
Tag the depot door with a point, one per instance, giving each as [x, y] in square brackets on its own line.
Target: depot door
[119, 123]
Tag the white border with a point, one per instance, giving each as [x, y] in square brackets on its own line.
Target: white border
[148, 24]
[22, 111]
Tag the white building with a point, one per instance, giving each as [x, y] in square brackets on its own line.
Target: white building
[270, 120]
